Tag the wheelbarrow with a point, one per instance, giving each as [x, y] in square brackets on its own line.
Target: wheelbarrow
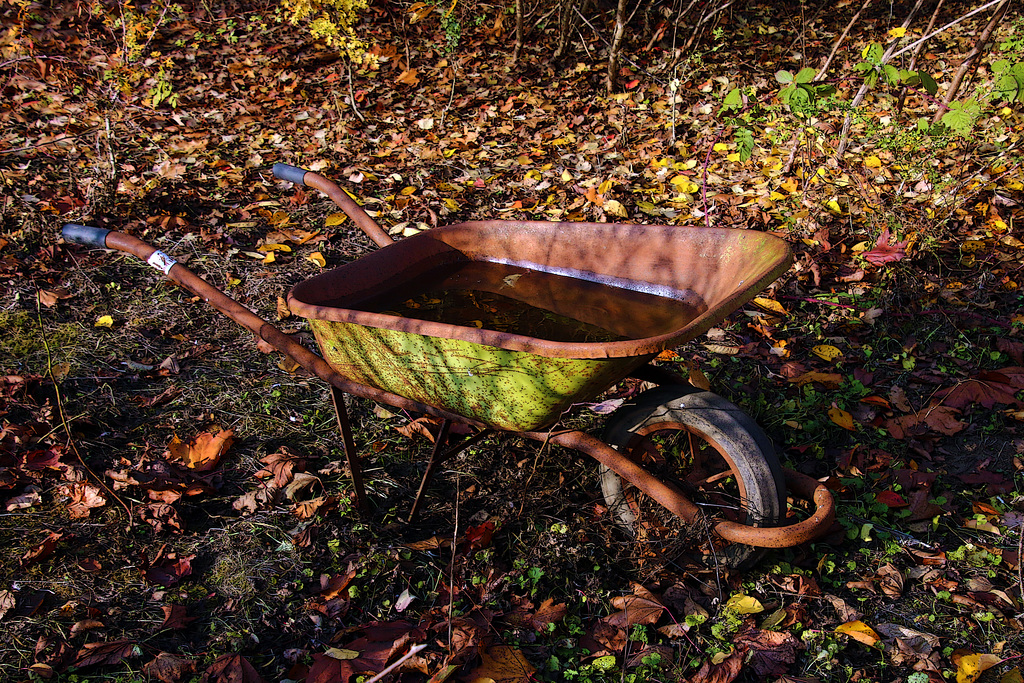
[505, 325]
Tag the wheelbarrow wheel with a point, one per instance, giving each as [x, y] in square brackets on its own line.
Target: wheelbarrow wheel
[709, 448]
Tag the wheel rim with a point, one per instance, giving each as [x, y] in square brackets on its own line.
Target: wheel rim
[703, 470]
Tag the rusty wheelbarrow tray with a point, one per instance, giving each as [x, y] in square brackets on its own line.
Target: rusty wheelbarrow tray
[669, 285]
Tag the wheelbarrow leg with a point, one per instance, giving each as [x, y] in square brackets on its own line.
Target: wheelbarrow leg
[345, 427]
[437, 457]
[435, 460]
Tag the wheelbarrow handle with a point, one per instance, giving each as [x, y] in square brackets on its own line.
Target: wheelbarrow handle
[85, 235]
[292, 174]
[301, 176]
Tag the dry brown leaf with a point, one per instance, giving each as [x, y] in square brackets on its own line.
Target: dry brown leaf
[230, 669]
[503, 664]
[84, 497]
[169, 668]
[204, 452]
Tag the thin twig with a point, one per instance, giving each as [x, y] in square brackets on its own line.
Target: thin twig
[835, 47]
[412, 652]
[949, 25]
[351, 95]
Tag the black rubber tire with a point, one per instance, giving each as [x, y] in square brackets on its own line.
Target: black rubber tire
[740, 449]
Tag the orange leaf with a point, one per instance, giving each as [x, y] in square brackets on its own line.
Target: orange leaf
[204, 452]
[841, 418]
[860, 632]
[503, 664]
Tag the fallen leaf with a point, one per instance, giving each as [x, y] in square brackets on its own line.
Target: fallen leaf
[93, 654]
[826, 352]
[169, 668]
[232, 668]
[281, 465]
[161, 516]
[176, 617]
[503, 664]
[7, 601]
[479, 537]
[41, 551]
[884, 252]
[969, 667]
[860, 632]
[204, 452]
[104, 321]
[547, 613]
[841, 418]
[829, 380]
[166, 569]
[84, 497]
[744, 604]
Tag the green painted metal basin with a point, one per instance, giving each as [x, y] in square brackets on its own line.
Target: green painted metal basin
[634, 290]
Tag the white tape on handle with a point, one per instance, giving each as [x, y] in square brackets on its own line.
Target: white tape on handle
[161, 261]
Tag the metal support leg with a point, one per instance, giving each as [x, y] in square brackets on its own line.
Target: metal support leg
[437, 457]
[435, 460]
[354, 468]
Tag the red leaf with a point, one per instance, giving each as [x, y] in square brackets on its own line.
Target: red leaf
[176, 617]
[327, 669]
[884, 252]
[166, 570]
[105, 653]
[230, 669]
[891, 499]
[41, 551]
[479, 537]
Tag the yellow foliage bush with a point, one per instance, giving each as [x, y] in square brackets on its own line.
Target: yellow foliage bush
[332, 21]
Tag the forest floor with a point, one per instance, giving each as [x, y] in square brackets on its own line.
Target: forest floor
[175, 498]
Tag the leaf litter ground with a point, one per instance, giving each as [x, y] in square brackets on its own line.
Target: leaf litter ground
[886, 362]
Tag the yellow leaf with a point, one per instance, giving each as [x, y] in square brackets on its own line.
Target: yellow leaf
[734, 156]
[274, 247]
[566, 176]
[841, 418]
[859, 631]
[897, 32]
[269, 258]
[615, 208]
[776, 196]
[872, 162]
[532, 174]
[605, 186]
[406, 191]
[970, 667]
[770, 304]
[340, 653]
[833, 206]
[685, 165]
[721, 147]
[317, 258]
[744, 604]
[104, 321]
[684, 184]
[790, 185]
[722, 349]
[451, 204]
[335, 219]
[827, 352]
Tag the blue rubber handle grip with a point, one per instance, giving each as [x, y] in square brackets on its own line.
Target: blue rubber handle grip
[290, 173]
[84, 234]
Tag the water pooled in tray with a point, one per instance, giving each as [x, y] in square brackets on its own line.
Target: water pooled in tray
[533, 303]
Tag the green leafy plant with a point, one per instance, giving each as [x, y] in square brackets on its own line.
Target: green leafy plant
[799, 91]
